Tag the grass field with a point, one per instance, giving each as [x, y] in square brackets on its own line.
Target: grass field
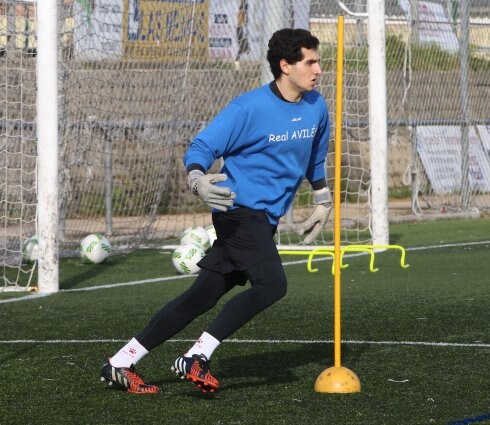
[417, 338]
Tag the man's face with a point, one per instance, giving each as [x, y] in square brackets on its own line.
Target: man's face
[303, 75]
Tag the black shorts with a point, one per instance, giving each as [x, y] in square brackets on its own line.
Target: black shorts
[244, 238]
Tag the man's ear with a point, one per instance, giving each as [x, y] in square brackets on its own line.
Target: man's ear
[284, 65]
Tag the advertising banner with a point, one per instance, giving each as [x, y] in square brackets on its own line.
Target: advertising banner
[434, 25]
[439, 148]
[484, 132]
[236, 27]
[98, 31]
[165, 29]
[153, 30]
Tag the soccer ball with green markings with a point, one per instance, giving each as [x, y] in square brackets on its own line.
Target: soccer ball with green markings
[30, 249]
[185, 258]
[95, 248]
[197, 235]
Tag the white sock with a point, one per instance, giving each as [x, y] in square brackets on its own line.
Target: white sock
[206, 345]
[130, 354]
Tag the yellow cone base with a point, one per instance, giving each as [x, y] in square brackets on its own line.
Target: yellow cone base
[337, 380]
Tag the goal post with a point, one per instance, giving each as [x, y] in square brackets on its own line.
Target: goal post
[47, 144]
[378, 128]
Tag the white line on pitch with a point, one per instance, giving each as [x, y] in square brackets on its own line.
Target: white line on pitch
[176, 277]
[24, 298]
[161, 279]
[135, 282]
[97, 287]
[256, 341]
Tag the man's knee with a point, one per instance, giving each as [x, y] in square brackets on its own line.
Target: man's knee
[269, 278]
[281, 284]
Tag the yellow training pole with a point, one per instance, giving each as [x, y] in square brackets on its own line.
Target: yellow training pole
[338, 379]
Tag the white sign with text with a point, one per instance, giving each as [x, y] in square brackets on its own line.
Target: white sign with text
[439, 148]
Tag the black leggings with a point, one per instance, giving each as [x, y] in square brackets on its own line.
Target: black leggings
[269, 285]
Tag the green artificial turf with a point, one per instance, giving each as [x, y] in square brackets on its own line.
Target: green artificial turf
[417, 338]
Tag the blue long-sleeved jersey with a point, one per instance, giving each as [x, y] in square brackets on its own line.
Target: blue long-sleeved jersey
[268, 146]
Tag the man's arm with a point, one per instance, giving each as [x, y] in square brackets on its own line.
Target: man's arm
[221, 134]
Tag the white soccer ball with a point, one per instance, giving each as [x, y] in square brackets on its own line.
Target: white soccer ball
[196, 235]
[211, 233]
[95, 248]
[30, 249]
[185, 258]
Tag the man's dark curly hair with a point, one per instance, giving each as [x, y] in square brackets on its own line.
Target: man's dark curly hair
[286, 44]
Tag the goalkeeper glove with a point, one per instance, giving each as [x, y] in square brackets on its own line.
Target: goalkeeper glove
[202, 186]
[318, 219]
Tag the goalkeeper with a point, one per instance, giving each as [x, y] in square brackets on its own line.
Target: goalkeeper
[270, 139]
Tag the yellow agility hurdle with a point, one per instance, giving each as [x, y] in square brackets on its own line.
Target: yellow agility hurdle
[329, 251]
[403, 264]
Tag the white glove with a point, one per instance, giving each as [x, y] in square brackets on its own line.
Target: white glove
[318, 219]
[202, 186]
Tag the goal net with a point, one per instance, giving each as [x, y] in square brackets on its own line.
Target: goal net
[444, 108]
[138, 79]
[18, 150]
